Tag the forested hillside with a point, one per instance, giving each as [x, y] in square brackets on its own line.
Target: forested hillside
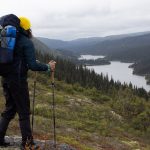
[72, 73]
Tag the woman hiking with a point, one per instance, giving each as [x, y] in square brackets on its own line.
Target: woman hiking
[15, 84]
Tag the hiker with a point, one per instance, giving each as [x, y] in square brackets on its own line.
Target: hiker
[14, 82]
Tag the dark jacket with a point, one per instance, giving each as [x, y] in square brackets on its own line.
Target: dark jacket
[24, 57]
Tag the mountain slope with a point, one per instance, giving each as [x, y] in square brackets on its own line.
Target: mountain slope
[40, 46]
[43, 48]
[129, 47]
[86, 118]
[101, 45]
[52, 43]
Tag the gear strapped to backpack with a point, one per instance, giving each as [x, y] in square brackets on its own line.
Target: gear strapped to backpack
[9, 26]
[7, 44]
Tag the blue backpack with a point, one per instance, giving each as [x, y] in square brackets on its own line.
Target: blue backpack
[7, 44]
[9, 26]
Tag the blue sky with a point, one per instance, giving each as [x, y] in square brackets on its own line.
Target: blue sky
[71, 19]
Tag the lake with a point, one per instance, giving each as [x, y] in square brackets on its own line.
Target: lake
[119, 71]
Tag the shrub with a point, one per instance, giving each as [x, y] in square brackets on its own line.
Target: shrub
[142, 121]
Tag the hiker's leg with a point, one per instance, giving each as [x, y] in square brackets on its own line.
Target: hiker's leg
[7, 114]
[23, 110]
[20, 93]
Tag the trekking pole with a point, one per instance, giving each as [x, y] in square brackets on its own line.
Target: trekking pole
[53, 108]
[33, 102]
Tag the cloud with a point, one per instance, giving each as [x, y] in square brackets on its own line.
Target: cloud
[70, 19]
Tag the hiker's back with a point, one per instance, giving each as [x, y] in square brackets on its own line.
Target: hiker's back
[12, 60]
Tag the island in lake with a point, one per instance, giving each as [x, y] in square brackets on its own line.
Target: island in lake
[90, 60]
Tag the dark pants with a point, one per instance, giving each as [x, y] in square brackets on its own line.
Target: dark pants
[17, 101]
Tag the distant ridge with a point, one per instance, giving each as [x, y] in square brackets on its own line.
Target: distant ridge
[91, 45]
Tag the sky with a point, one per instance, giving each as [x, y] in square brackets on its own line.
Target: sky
[72, 19]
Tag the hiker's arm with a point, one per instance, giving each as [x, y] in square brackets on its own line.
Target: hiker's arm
[29, 52]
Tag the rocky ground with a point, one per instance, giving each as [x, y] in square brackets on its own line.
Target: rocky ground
[45, 145]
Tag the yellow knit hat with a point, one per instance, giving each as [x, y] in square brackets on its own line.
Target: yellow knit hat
[25, 23]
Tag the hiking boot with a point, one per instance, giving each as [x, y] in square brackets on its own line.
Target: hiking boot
[30, 145]
[27, 138]
[3, 127]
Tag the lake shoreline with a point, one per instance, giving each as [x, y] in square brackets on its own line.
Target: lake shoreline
[121, 71]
